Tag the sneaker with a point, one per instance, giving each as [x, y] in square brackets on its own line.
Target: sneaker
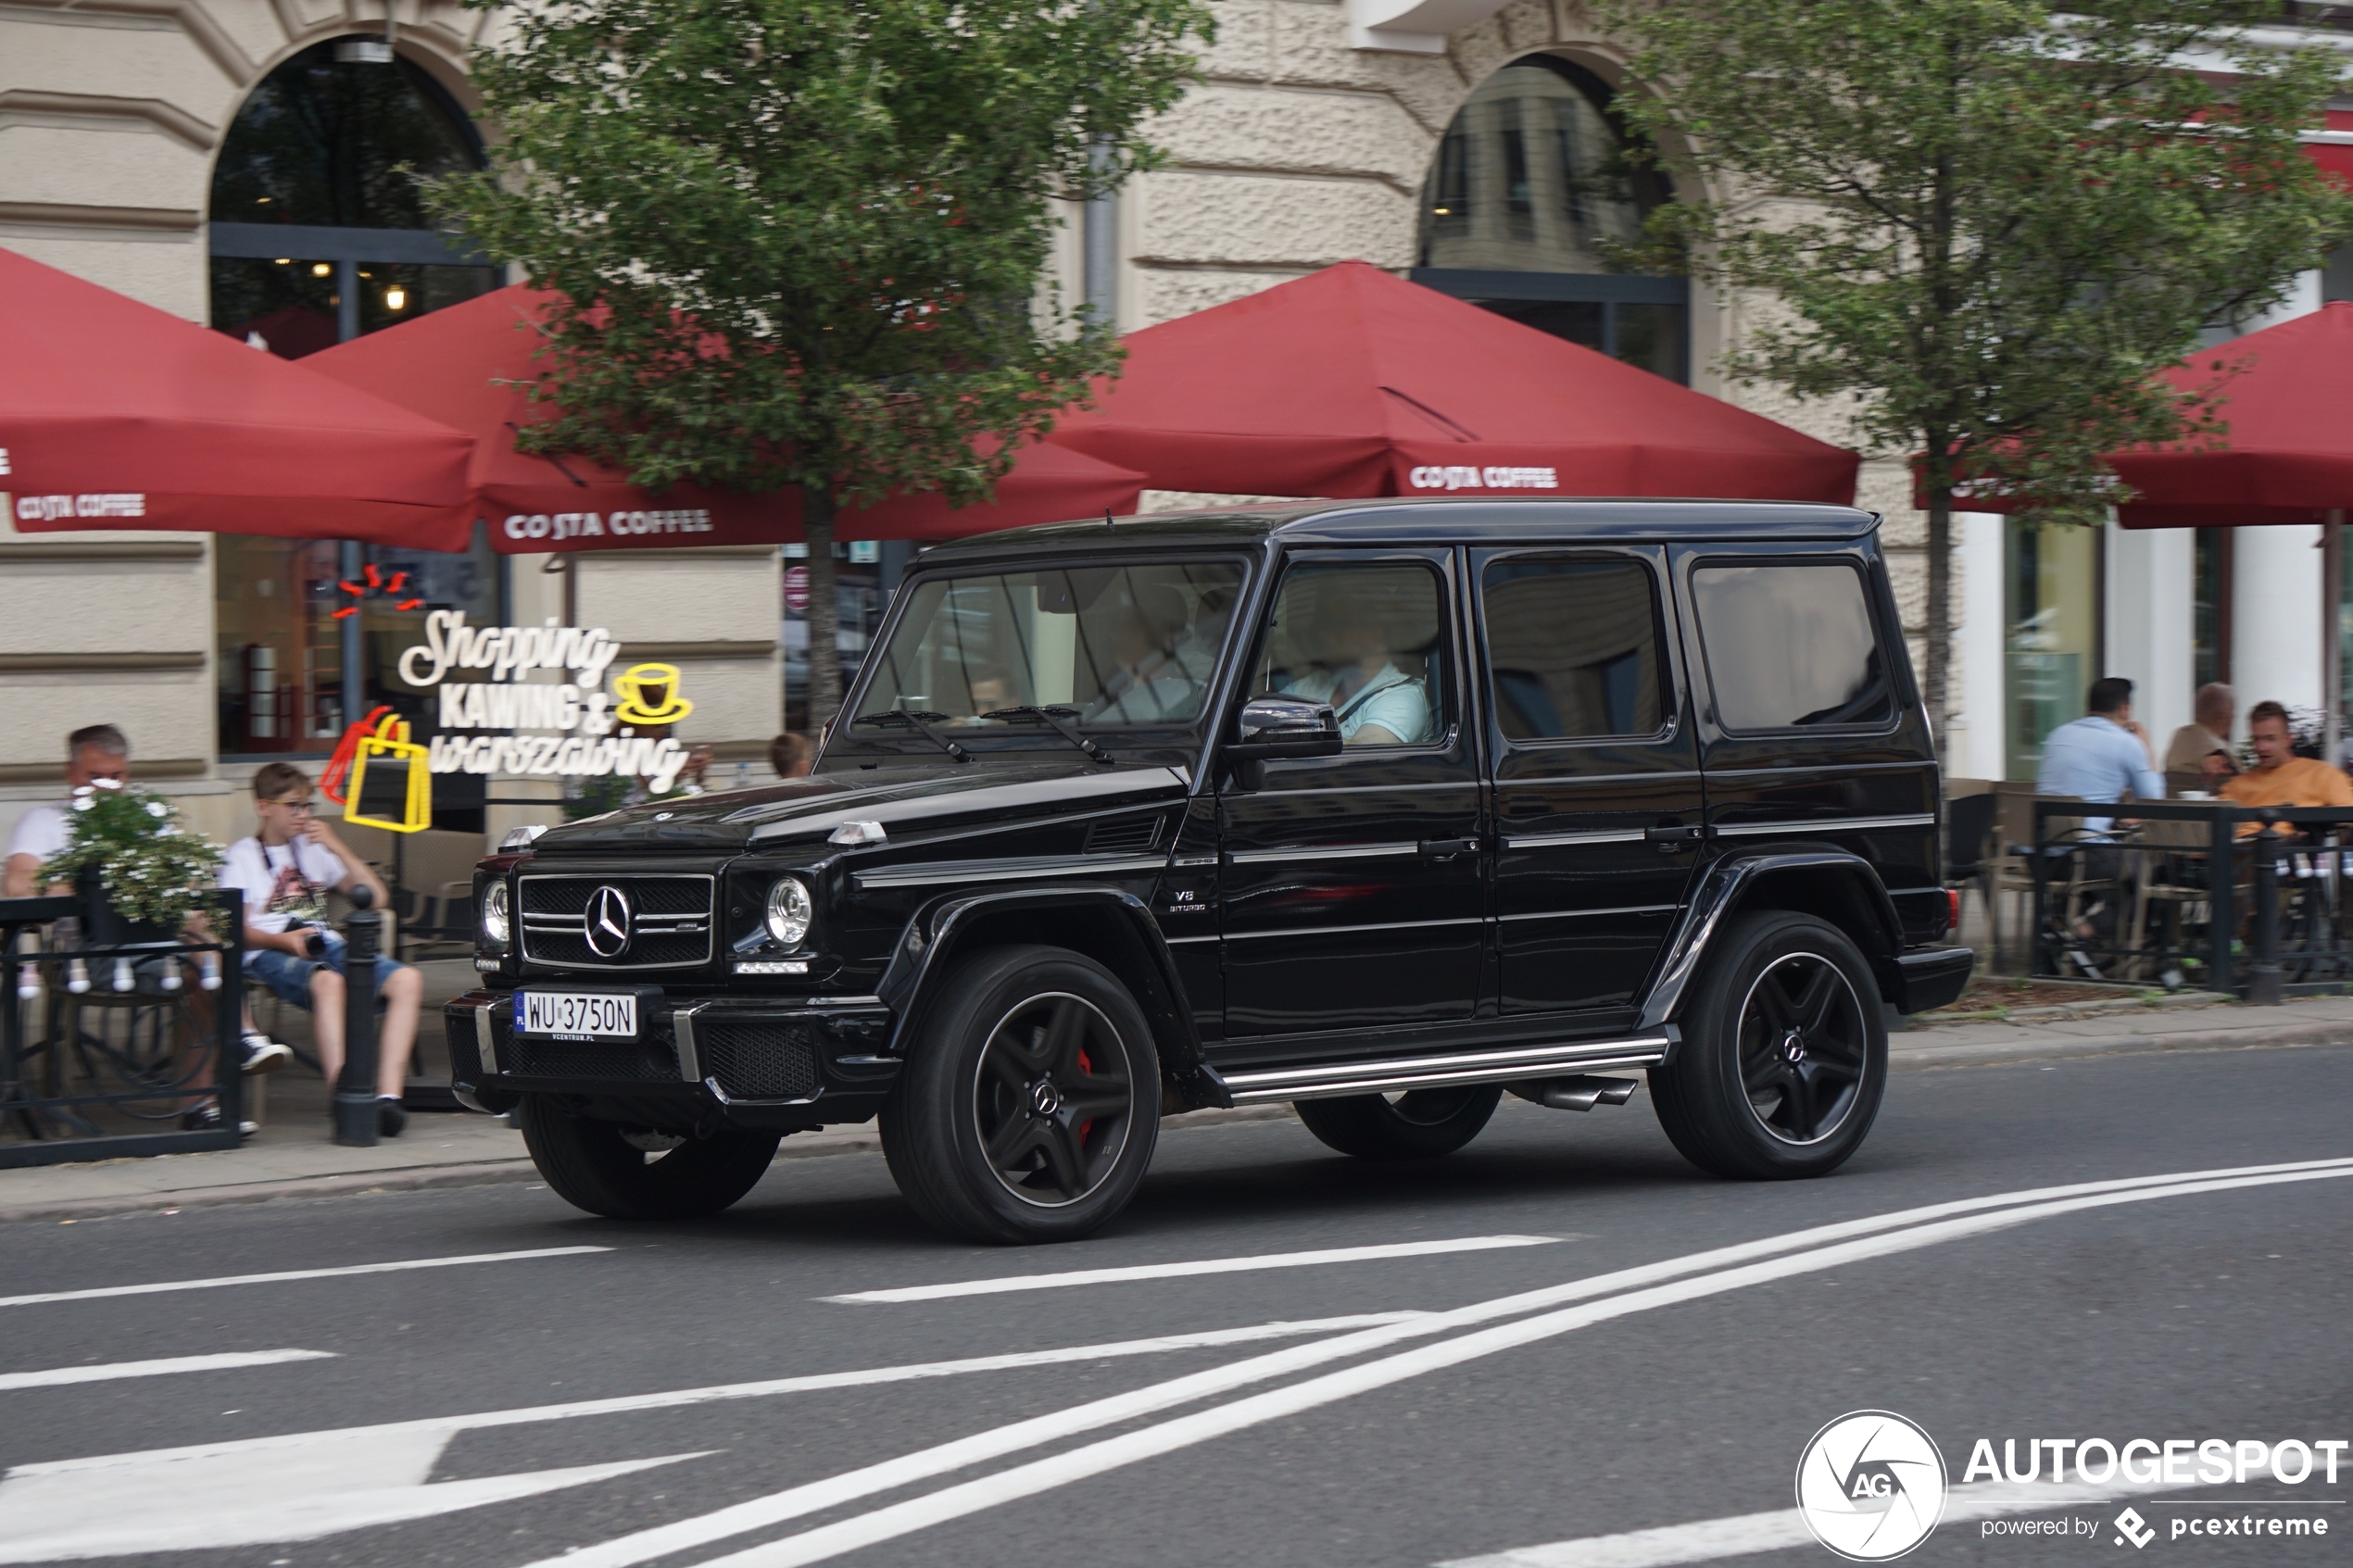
[392, 1118]
[206, 1119]
[265, 1055]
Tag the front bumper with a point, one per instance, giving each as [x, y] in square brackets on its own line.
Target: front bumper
[749, 1061]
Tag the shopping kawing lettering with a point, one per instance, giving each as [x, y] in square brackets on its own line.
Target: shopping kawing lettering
[584, 715]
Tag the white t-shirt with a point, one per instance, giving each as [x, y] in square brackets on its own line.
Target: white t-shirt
[282, 882]
[40, 833]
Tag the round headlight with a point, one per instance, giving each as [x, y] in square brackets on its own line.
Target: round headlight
[494, 923]
[789, 910]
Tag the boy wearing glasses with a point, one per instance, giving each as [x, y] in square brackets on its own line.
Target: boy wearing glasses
[285, 871]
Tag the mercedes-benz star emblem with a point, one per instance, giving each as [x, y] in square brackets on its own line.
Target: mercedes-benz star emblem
[607, 922]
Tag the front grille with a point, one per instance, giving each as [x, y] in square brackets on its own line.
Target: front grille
[651, 1061]
[760, 1060]
[670, 921]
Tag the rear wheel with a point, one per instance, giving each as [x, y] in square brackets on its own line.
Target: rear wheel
[1418, 1125]
[1030, 1106]
[1785, 1054]
[634, 1173]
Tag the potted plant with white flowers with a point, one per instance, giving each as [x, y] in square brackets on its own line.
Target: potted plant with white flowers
[138, 872]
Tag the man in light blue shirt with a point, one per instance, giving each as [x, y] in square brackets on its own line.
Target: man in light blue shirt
[2104, 755]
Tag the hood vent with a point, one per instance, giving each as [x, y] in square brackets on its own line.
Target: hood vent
[1124, 836]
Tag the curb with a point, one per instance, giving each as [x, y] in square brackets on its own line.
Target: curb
[486, 1173]
[2245, 1037]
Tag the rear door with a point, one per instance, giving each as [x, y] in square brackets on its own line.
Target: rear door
[1598, 798]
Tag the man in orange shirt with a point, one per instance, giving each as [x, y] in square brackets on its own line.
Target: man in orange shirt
[2279, 776]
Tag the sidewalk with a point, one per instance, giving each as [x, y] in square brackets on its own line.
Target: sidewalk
[293, 1159]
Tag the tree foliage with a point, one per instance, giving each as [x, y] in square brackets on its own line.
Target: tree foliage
[800, 243]
[1989, 224]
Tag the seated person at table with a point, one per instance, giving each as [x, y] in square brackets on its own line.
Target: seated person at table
[284, 870]
[2279, 776]
[2199, 756]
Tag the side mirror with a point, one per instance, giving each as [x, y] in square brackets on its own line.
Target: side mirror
[1282, 726]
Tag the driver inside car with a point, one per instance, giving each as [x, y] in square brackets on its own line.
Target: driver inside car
[1376, 703]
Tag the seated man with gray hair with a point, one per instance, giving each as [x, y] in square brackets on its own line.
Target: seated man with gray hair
[2199, 757]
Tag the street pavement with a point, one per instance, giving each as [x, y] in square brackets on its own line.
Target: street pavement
[1561, 1345]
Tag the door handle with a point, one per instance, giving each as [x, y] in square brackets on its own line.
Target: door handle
[1675, 839]
[1447, 848]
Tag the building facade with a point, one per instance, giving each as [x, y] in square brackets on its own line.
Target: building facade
[229, 161]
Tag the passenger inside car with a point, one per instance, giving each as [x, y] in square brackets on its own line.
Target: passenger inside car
[1347, 655]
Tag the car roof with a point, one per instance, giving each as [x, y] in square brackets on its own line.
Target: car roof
[1485, 519]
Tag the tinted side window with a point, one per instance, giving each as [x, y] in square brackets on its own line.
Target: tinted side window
[1791, 646]
[1573, 649]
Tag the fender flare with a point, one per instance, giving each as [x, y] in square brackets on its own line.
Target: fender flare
[1126, 938]
[1868, 916]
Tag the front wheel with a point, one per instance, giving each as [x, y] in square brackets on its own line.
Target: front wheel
[634, 1173]
[1784, 1055]
[1029, 1106]
[1418, 1125]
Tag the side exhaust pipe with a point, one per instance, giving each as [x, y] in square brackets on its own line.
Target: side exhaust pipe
[1581, 1092]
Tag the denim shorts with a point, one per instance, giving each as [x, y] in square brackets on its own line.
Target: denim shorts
[289, 977]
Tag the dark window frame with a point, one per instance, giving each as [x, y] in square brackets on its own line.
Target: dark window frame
[1454, 692]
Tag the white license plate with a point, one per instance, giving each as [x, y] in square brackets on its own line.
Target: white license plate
[576, 1015]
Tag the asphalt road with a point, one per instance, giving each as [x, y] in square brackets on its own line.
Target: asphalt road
[1654, 1415]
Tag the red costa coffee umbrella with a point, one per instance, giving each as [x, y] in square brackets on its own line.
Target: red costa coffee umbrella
[114, 414]
[1352, 382]
[461, 365]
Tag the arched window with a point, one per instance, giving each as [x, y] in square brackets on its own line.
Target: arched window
[1530, 186]
[318, 232]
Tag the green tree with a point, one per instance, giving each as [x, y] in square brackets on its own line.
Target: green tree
[801, 242]
[1988, 222]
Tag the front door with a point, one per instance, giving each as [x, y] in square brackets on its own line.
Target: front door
[1351, 886]
[1598, 803]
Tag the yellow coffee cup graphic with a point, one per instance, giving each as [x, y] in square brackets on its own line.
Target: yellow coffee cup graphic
[649, 695]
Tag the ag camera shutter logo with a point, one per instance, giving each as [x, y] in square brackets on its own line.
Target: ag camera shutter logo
[1870, 1485]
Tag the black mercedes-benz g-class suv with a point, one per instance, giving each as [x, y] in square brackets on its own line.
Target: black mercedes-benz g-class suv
[1377, 807]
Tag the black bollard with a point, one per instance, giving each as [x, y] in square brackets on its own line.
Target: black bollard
[355, 1086]
[2263, 981]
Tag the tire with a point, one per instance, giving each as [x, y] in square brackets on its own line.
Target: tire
[597, 1166]
[1784, 1056]
[1029, 1105]
[1418, 1125]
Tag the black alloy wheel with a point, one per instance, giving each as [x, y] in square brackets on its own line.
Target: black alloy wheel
[1029, 1106]
[1783, 1058]
[1803, 1047]
[1052, 1099]
[1418, 1125]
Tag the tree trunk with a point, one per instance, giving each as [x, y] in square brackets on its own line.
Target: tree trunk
[824, 615]
[1939, 630]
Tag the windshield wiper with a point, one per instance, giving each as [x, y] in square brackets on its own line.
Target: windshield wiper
[1053, 716]
[920, 721]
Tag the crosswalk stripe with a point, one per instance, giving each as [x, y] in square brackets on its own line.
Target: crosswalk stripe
[55, 1376]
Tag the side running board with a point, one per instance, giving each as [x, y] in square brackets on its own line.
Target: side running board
[1330, 1080]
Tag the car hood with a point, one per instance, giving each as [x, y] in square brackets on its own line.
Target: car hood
[904, 800]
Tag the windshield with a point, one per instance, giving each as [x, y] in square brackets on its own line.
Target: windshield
[1098, 645]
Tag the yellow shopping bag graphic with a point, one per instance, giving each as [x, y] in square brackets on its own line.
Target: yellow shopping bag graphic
[391, 783]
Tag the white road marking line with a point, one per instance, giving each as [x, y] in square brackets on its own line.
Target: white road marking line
[1198, 1266]
[57, 1375]
[1745, 1534]
[294, 1273]
[674, 1398]
[924, 1464]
